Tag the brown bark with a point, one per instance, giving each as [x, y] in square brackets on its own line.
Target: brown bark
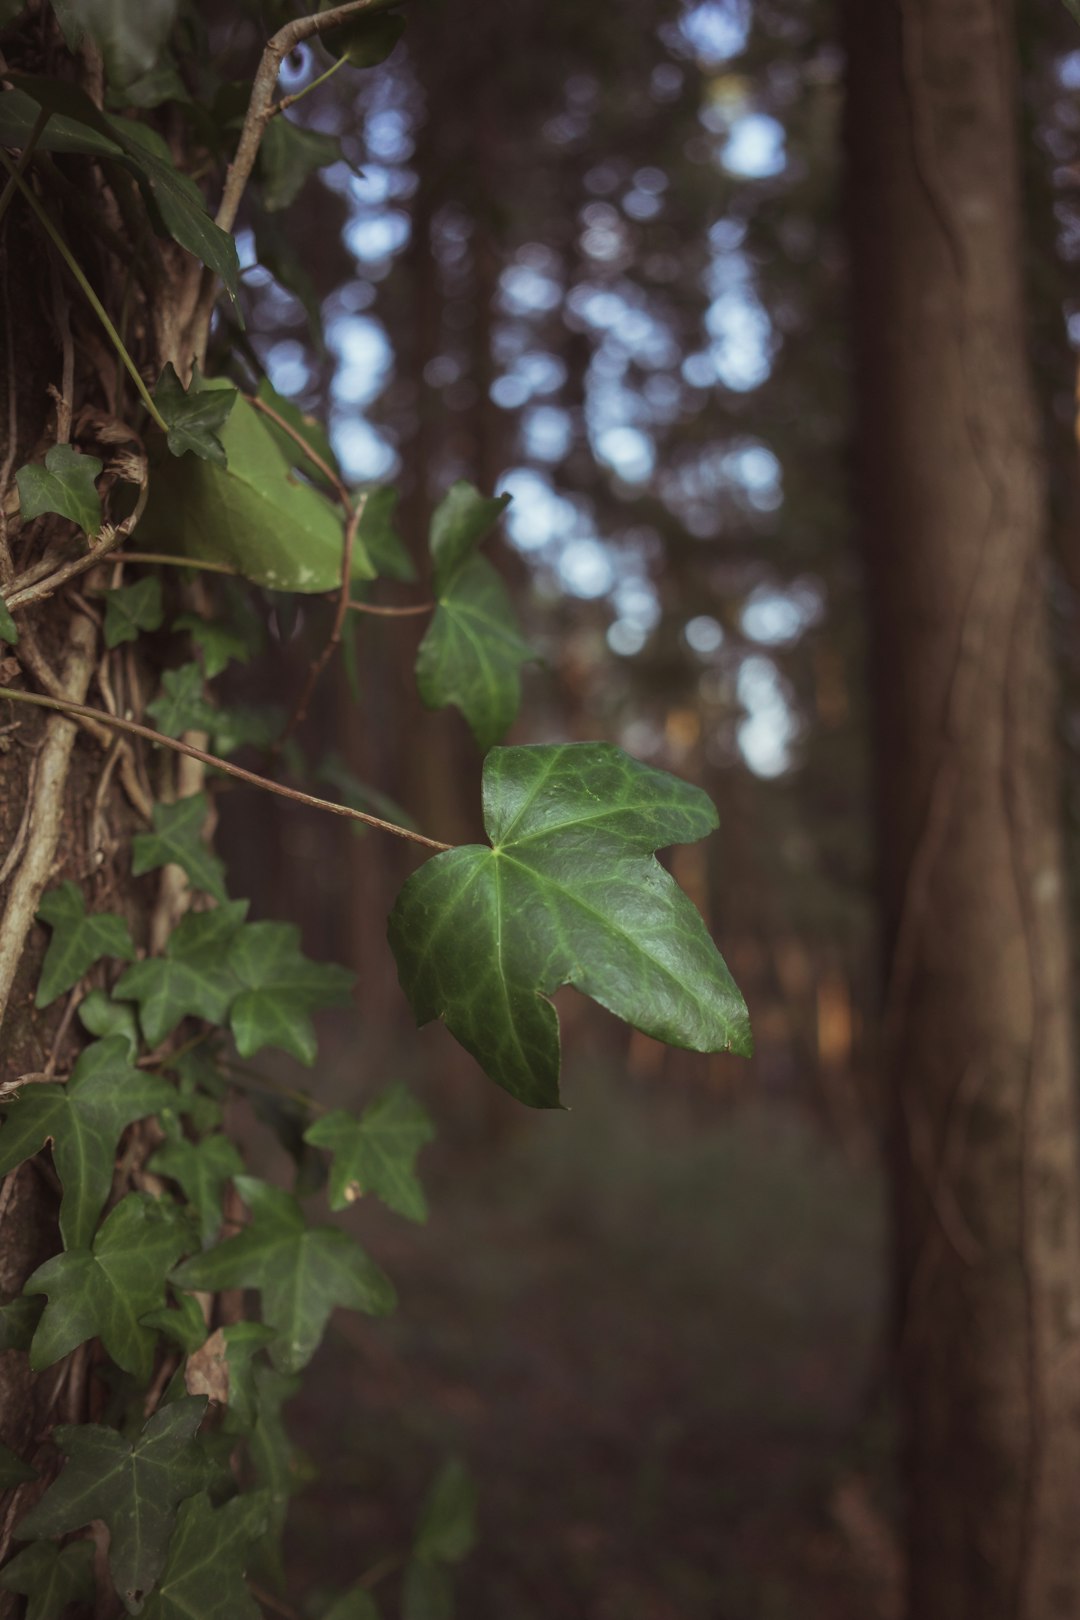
[979, 1042]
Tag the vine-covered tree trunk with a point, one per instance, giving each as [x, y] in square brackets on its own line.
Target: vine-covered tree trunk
[979, 1044]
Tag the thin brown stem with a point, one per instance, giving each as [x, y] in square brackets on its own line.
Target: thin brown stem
[203, 564]
[334, 639]
[312, 455]
[393, 612]
[81, 711]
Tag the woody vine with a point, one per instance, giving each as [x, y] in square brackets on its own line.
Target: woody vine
[165, 491]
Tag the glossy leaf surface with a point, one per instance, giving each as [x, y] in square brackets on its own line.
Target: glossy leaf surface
[66, 484]
[193, 415]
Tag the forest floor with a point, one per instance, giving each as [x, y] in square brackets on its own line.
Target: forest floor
[649, 1327]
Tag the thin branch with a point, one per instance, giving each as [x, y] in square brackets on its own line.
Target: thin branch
[393, 612]
[19, 168]
[81, 711]
[298, 95]
[334, 639]
[203, 564]
[312, 455]
[24, 592]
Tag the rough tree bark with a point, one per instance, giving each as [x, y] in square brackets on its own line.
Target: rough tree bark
[979, 1049]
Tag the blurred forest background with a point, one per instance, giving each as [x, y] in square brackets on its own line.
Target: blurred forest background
[595, 257]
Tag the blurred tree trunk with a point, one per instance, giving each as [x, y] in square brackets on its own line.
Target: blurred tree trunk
[978, 1037]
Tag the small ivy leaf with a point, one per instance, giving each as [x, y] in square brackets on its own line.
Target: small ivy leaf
[9, 630]
[288, 156]
[193, 415]
[301, 1272]
[177, 839]
[208, 1555]
[83, 1119]
[202, 1170]
[246, 726]
[202, 1087]
[101, 1016]
[13, 1471]
[274, 1463]
[568, 893]
[51, 1577]
[135, 1488]
[472, 652]
[426, 1592]
[18, 1319]
[281, 989]
[130, 36]
[132, 608]
[376, 1153]
[219, 642]
[183, 1324]
[78, 940]
[181, 704]
[446, 1532]
[193, 978]
[243, 1341]
[161, 84]
[367, 41]
[380, 540]
[66, 484]
[355, 1604]
[103, 1292]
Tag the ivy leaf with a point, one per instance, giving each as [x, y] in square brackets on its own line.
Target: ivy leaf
[132, 608]
[130, 37]
[367, 41]
[183, 1323]
[355, 1604]
[301, 1272]
[273, 1461]
[66, 484]
[78, 940]
[9, 630]
[13, 1471]
[193, 415]
[83, 1120]
[426, 1592]
[568, 893]
[51, 1577]
[135, 1488]
[177, 838]
[181, 704]
[221, 642]
[446, 1532]
[208, 1554]
[246, 726]
[254, 515]
[18, 1319]
[193, 978]
[100, 1015]
[202, 1170]
[473, 650]
[288, 156]
[104, 1292]
[377, 1152]
[281, 989]
[380, 540]
[308, 429]
[242, 1342]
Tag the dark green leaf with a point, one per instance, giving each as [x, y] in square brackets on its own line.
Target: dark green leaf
[282, 988]
[9, 630]
[289, 154]
[78, 940]
[366, 41]
[377, 1152]
[202, 1170]
[178, 838]
[446, 1532]
[135, 1488]
[13, 1471]
[102, 1016]
[104, 1292]
[181, 704]
[132, 608]
[130, 34]
[192, 979]
[276, 251]
[301, 1272]
[18, 1319]
[208, 1554]
[66, 484]
[182, 1324]
[243, 1342]
[426, 1592]
[568, 894]
[18, 115]
[380, 540]
[83, 1120]
[163, 83]
[221, 641]
[462, 519]
[356, 1604]
[193, 415]
[273, 1460]
[246, 726]
[51, 1577]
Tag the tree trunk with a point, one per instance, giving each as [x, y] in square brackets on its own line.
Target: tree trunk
[978, 1024]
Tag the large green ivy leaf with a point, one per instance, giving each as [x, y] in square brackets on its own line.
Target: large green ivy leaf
[52, 1578]
[377, 1152]
[193, 415]
[132, 608]
[135, 1487]
[84, 1120]
[130, 34]
[78, 940]
[178, 838]
[66, 484]
[255, 514]
[473, 649]
[568, 893]
[202, 1170]
[281, 989]
[301, 1272]
[288, 156]
[103, 1292]
[193, 978]
[208, 1554]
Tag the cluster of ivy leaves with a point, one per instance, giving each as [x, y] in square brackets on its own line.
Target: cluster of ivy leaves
[190, 1468]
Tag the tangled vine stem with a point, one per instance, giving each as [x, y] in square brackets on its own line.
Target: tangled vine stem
[82, 711]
